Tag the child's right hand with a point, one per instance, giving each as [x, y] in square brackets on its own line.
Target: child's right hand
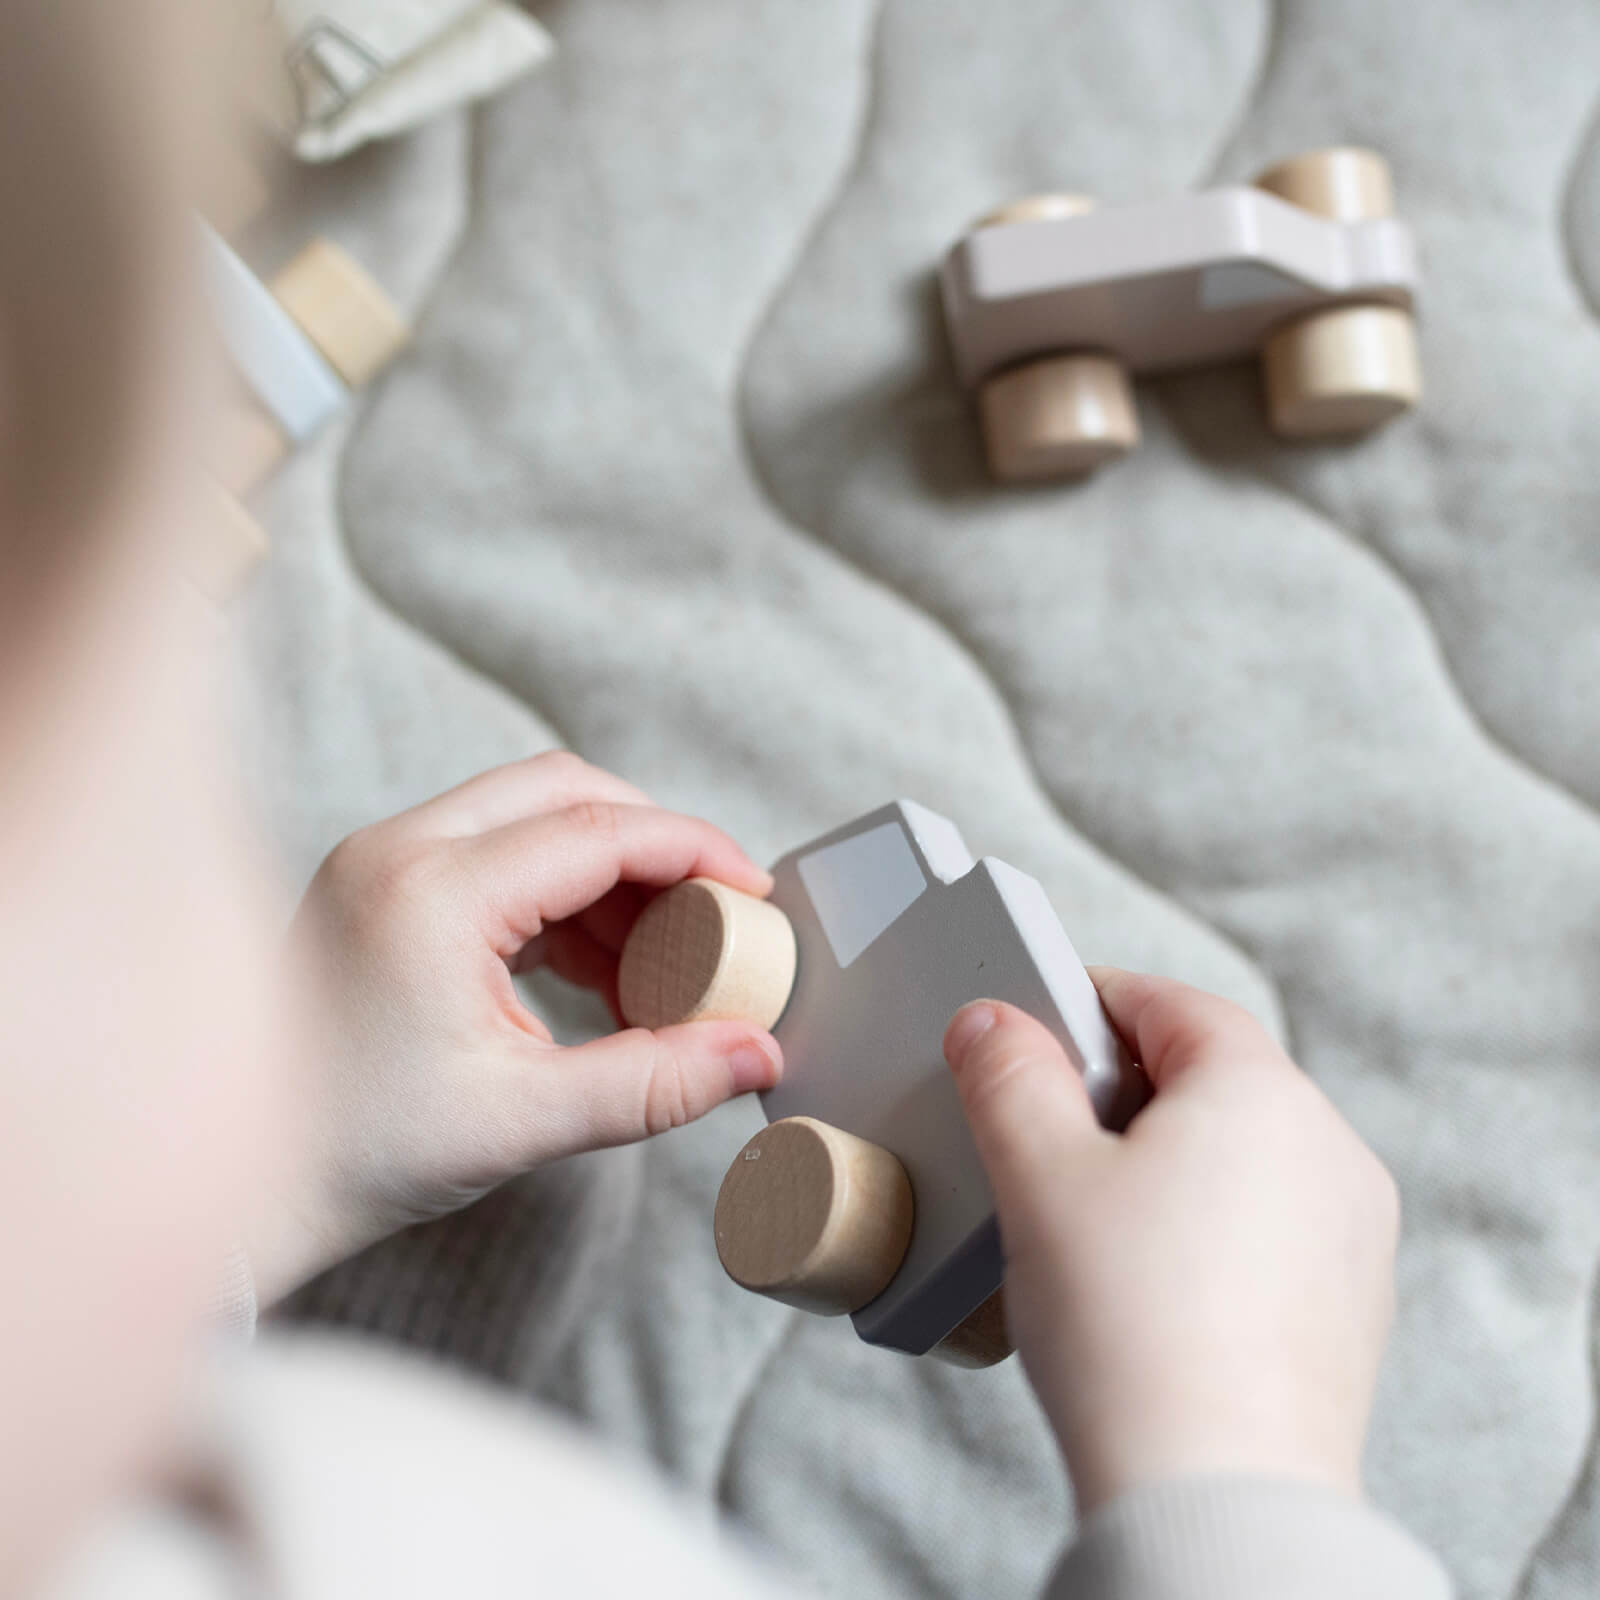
[438, 1082]
[1210, 1291]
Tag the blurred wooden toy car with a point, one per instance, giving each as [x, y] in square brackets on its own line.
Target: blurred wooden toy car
[1051, 304]
[865, 1193]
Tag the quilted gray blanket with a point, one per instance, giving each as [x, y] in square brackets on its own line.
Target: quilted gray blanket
[677, 474]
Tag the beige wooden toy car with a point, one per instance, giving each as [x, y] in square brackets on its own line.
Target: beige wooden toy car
[1051, 304]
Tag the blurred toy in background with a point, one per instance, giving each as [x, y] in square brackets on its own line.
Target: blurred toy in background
[1051, 304]
[319, 79]
[338, 73]
[865, 1194]
[298, 345]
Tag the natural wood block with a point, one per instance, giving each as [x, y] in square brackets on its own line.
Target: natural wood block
[1341, 371]
[814, 1217]
[701, 951]
[1346, 183]
[1059, 416]
[1036, 208]
[982, 1340]
[341, 310]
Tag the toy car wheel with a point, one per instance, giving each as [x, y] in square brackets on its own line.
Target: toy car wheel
[1059, 416]
[814, 1217]
[1346, 183]
[702, 952]
[982, 1340]
[1036, 208]
[1341, 371]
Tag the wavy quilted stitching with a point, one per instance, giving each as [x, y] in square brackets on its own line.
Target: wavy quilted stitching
[865, 447]
[1566, 1559]
[1484, 504]
[1580, 217]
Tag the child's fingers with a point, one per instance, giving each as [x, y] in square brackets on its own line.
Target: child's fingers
[544, 869]
[611, 918]
[541, 784]
[1029, 1112]
[574, 954]
[1175, 1030]
[637, 1083]
[608, 922]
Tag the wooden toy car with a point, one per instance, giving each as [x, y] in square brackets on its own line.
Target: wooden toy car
[865, 1194]
[1051, 304]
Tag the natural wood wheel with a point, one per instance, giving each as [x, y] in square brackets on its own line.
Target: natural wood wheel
[1058, 416]
[701, 951]
[1344, 182]
[1341, 371]
[982, 1340]
[1036, 208]
[814, 1217]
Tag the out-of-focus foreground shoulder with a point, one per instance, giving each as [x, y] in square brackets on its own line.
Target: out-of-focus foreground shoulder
[347, 1469]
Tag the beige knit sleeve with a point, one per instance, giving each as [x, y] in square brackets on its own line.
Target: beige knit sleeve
[233, 1301]
[1238, 1538]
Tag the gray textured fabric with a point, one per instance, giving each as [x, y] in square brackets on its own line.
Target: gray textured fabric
[676, 473]
[1232, 1538]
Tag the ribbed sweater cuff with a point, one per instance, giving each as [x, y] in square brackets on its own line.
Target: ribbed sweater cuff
[233, 1304]
[1239, 1538]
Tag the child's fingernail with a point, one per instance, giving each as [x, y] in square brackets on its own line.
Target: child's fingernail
[968, 1027]
[754, 1068]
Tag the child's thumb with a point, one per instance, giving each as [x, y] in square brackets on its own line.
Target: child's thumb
[1027, 1107]
[640, 1082]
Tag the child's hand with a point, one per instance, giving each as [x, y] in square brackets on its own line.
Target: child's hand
[1210, 1291]
[437, 1082]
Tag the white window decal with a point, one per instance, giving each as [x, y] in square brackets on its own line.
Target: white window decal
[860, 885]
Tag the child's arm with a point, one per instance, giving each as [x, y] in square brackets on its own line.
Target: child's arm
[434, 1082]
[1201, 1303]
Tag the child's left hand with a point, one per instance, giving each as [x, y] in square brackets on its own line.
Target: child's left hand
[435, 1083]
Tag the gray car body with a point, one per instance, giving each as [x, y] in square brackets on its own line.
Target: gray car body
[897, 927]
